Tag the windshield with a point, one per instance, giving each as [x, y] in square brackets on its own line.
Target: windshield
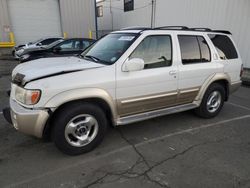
[110, 48]
[34, 42]
[53, 43]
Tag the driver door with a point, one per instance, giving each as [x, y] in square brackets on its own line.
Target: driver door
[155, 86]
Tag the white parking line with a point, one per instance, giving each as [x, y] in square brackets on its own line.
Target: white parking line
[129, 147]
[237, 105]
[192, 129]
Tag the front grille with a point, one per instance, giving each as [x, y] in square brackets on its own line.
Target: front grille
[18, 79]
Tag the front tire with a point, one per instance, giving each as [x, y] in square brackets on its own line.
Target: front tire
[212, 101]
[79, 128]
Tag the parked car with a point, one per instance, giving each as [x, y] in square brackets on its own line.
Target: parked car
[125, 77]
[68, 47]
[18, 50]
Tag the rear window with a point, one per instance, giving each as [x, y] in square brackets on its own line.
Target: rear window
[224, 46]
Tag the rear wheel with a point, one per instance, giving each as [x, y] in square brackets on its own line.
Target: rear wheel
[212, 101]
[79, 128]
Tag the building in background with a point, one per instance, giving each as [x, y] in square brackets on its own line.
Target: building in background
[30, 20]
[229, 15]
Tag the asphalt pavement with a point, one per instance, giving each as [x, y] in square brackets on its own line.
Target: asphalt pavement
[179, 150]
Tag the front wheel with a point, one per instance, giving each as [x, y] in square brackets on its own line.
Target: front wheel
[79, 128]
[212, 101]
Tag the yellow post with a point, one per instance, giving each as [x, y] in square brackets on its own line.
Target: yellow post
[12, 39]
[9, 44]
[65, 35]
[90, 34]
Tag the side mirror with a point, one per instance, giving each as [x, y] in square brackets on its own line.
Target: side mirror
[39, 44]
[135, 64]
[57, 49]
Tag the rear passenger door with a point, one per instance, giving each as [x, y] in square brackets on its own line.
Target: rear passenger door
[195, 66]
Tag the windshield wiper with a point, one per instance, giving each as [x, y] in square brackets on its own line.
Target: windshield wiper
[92, 57]
[79, 55]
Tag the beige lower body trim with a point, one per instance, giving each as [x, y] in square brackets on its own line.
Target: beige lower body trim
[148, 103]
[28, 121]
[154, 113]
[145, 103]
[187, 95]
[234, 86]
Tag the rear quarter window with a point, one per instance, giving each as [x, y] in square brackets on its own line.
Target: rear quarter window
[224, 46]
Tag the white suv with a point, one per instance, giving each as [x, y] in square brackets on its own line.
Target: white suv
[127, 76]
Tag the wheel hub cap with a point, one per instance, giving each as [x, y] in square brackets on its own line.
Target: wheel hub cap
[81, 130]
[214, 101]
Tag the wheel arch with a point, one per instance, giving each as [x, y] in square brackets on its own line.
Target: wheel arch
[221, 78]
[95, 96]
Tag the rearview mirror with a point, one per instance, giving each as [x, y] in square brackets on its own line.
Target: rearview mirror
[39, 44]
[135, 64]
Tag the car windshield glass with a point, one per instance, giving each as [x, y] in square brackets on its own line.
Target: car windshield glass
[53, 44]
[110, 48]
[36, 41]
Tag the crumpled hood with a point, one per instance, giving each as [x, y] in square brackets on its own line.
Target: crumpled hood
[50, 67]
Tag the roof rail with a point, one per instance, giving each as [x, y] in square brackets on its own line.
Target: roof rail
[201, 29]
[222, 31]
[136, 28]
[173, 27]
[178, 28]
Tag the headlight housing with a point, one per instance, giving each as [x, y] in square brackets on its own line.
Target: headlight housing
[27, 96]
[25, 56]
[19, 51]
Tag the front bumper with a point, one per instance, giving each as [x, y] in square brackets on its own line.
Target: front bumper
[14, 53]
[28, 121]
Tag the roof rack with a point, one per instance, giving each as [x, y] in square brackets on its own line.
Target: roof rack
[201, 29]
[173, 27]
[184, 28]
[136, 28]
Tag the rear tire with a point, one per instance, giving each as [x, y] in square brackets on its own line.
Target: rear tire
[79, 128]
[212, 101]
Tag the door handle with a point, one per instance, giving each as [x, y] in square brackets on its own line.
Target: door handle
[172, 72]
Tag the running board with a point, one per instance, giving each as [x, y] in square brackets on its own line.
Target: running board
[155, 113]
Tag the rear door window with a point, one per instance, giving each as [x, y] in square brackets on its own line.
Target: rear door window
[194, 49]
[85, 44]
[48, 41]
[224, 46]
[204, 49]
[67, 45]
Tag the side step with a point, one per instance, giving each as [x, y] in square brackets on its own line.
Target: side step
[155, 113]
